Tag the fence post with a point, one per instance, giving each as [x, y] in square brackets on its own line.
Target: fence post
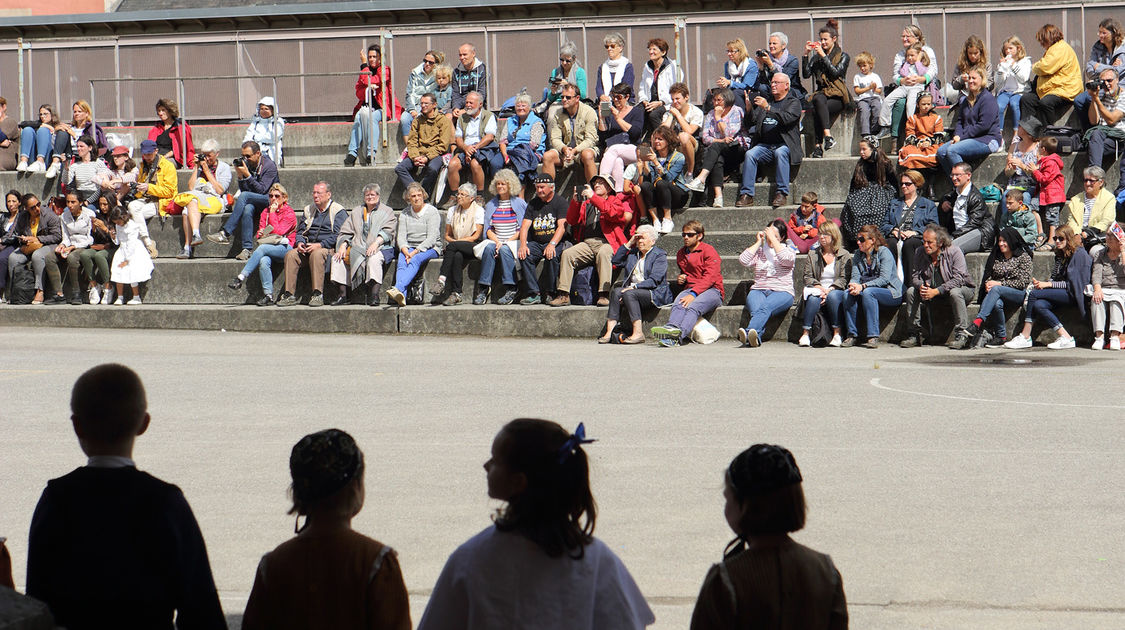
[388, 64]
[278, 155]
[183, 124]
[19, 56]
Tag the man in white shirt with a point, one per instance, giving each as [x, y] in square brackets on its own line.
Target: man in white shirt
[474, 140]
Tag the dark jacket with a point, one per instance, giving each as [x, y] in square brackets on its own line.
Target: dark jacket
[321, 227]
[951, 262]
[981, 121]
[465, 81]
[925, 213]
[260, 178]
[50, 226]
[1078, 271]
[787, 112]
[817, 68]
[792, 69]
[979, 217]
[656, 272]
[815, 266]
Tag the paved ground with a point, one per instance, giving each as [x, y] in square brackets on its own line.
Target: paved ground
[996, 504]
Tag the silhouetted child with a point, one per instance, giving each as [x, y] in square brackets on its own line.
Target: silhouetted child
[328, 575]
[766, 579]
[539, 566]
[111, 546]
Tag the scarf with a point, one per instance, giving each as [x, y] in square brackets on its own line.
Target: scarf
[613, 71]
[780, 61]
[737, 71]
[571, 78]
[463, 220]
[834, 87]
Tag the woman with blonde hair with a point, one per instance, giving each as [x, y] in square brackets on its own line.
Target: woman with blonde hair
[276, 235]
[825, 283]
[422, 79]
[740, 73]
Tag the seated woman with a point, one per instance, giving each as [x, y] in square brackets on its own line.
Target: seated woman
[1066, 287]
[523, 147]
[37, 140]
[911, 35]
[740, 74]
[1022, 162]
[1108, 52]
[870, 192]
[907, 218]
[1006, 276]
[418, 240]
[422, 80]
[778, 59]
[663, 180]
[464, 225]
[367, 587]
[172, 135]
[700, 283]
[12, 205]
[827, 65]
[503, 216]
[1108, 278]
[35, 234]
[77, 235]
[657, 77]
[364, 247]
[644, 283]
[619, 133]
[977, 132]
[276, 235]
[872, 283]
[724, 146]
[266, 128]
[1090, 213]
[805, 222]
[87, 170]
[95, 259]
[122, 171]
[1058, 80]
[772, 262]
[767, 579]
[568, 71]
[825, 282]
[615, 69]
[81, 124]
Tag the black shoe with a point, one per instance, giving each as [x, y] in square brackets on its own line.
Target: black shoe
[57, 299]
[481, 297]
[349, 160]
[914, 340]
[829, 142]
[982, 340]
[341, 300]
[817, 152]
[265, 301]
[960, 340]
[235, 284]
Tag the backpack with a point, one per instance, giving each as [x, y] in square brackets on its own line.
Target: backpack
[821, 332]
[1070, 140]
[22, 286]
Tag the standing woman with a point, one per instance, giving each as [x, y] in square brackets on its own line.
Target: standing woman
[38, 139]
[464, 225]
[83, 176]
[1066, 287]
[422, 80]
[663, 181]
[825, 282]
[907, 218]
[657, 77]
[872, 284]
[1058, 79]
[277, 233]
[418, 240]
[740, 74]
[172, 134]
[724, 145]
[977, 132]
[615, 69]
[644, 283]
[827, 65]
[267, 128]
[620, 133]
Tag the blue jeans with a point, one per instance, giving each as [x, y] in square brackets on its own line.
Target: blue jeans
[37, 143]
[992, 306]
[686, 318]
[950, 154]
[405, 172]
[404, 123]
[244, 208]
[1082, 108]
[263, 258]
[1041, 301]
[765, 154]
[406, 271]
[871, 298]
[365, 132]
[763, 304]
[550, 268]
[1004, 100]
[832, 308]
[488, 265]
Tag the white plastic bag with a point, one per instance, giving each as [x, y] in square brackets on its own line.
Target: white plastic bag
[704, 332]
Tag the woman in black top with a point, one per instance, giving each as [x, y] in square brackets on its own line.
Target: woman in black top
[827, 65]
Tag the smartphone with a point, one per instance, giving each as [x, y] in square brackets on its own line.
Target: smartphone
[604, 108]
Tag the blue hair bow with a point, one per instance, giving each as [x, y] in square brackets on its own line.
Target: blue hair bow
[575, 440]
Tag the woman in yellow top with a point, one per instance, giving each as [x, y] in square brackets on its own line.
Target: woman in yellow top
[1093, 209]
[1058, 79]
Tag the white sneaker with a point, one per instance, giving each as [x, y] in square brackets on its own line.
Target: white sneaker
[1019, 342]
[1115, 343]
[22, 166]
[1099, 343]
[666, 226]
[836, 341]
[718, 203]
[53, 171]
[1062, 343]
[136, 301]
[107, 296]
[95, 295]
[804, 341]
[119, 301]
[36, 167]
[696, 184]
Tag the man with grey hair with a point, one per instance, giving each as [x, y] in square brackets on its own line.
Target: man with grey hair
[474, 143]
[365, 244]
[470, 75]
[208, 186]
[317, 233]
[940, 273]
[775, 135]
[1107, 117]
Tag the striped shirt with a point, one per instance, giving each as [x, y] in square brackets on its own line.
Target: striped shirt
[504, 223]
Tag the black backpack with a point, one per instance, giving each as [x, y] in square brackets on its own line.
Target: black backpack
[22, 286]
[1070, 140]
[821, 332]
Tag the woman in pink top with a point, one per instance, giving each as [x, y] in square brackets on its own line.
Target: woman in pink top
[277, 232]
[772, 261]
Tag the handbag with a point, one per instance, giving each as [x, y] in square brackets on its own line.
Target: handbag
[704, 332]
[821, 332]
[865, 206]
[269, 237]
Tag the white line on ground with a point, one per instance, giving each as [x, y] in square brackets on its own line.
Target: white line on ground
[875, 382]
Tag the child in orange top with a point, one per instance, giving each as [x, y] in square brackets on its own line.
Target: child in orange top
[804, 223]
[922, 126]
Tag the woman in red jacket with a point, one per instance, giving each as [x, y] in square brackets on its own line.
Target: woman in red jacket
[374, 93]
[277, 233]
[701, 282]
[172, 135]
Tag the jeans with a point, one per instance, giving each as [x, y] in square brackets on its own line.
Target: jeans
[765, 154]
[245, 206]
[764, 304]
[871, 298]
[1004, 100]
[404, 123]
[950, 154]
[1041, 301]
[686, 318]
[263, 258]
[550, 274]
[992, 306]
[831, 303]
[4, 254]
[1102, 149]
[488, 265]
[36, 143]
[405, 172]
[635, 302]
[406, 271]
[365, 133]
[1082, 108]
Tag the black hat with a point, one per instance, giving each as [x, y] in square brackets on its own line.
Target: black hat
[543, 178]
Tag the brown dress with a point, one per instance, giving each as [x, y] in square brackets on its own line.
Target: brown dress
[342, 581]
[912, 156]
[780, 587]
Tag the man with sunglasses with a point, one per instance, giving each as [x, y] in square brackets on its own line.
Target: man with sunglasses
[774, 130]
[963, 213]
[1107, 115]
[701, 286]
[572, 135]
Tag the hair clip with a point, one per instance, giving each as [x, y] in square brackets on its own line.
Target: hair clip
[575, 440]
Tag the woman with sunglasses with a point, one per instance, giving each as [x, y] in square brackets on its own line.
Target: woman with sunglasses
[1066, 286]
[277, 233]
[872, 283]
[615, 69]
[907, 218]
[422, 79]
[620, 132]
[569, 71]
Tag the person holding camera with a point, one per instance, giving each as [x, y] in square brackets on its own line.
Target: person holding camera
[256, 175]
[774, 59]
[569, 71]
[156, 186]
[827, 65]
[206, 194]
[775, 139]
[1107, 117]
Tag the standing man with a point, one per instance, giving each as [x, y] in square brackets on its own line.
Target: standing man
[940, 273]
[316, 240]
[429, 139]
[469, 76]
[775, 134]
[256, 173]
[474, 140]
[572, 134]
[541, 238]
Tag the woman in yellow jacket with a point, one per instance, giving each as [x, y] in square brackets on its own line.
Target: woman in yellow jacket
[1103, 205]
[1058, 77]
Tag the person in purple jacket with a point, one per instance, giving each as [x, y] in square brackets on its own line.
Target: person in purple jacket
[977, 132]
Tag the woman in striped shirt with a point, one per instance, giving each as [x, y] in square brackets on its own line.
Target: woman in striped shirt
[86, 171]
[503, 216]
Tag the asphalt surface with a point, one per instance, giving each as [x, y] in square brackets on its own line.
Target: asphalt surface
[950, 492]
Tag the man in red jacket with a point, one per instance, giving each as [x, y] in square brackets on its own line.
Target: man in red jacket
[603, 222]
[701, 282]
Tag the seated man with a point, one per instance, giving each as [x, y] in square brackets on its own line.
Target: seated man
[775, 137]
[603, 222]
[206, 194]
[142, 561]
[316, 241]
[541, 238]
[156, 186]
[940, 273]
[964, 214]
[1107, 115]
[429, 139]
[256, 173]
[469, 76]
[365, 245]
[572, 136]
[474, 140]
